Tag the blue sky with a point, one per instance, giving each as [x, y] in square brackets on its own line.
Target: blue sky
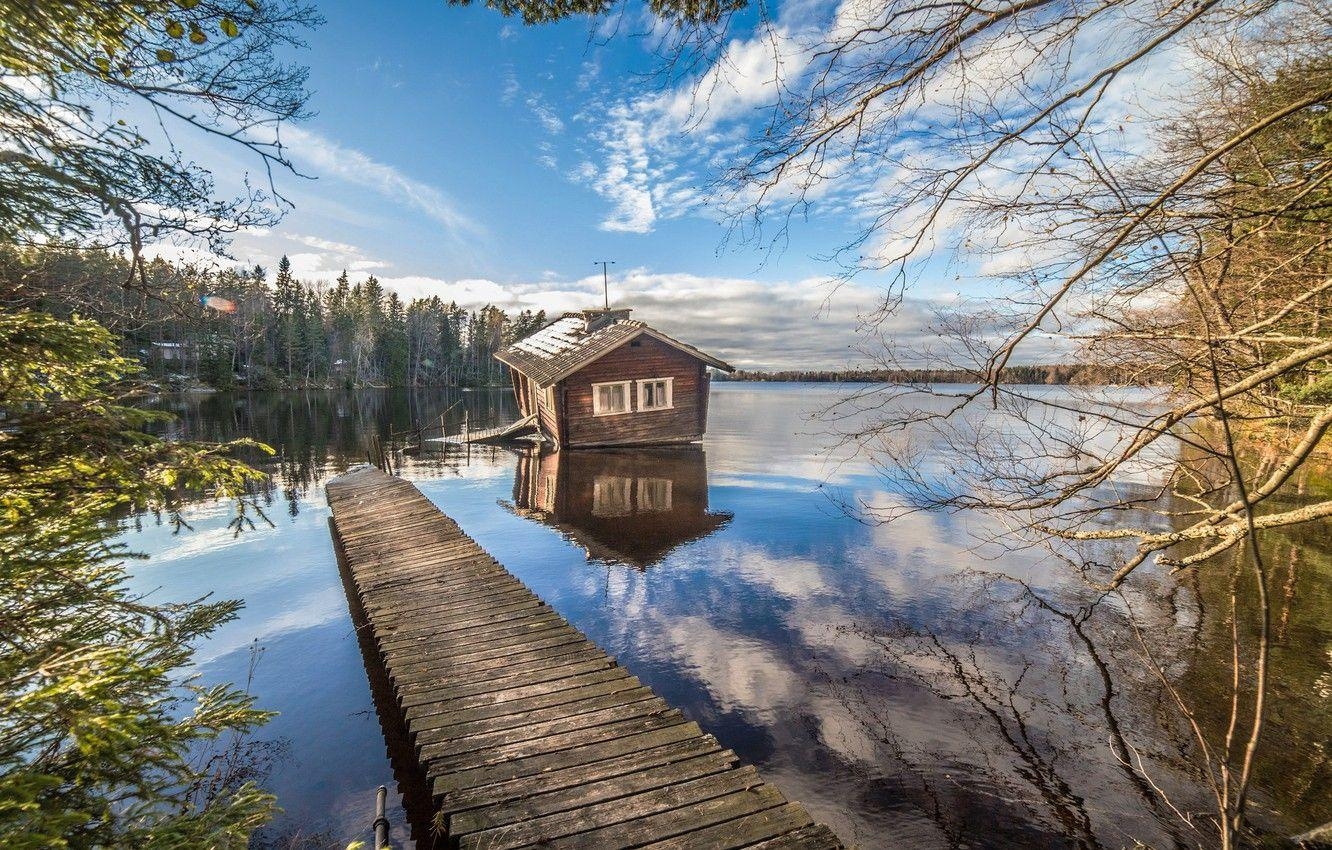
[459, 153]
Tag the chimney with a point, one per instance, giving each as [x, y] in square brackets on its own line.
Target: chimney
[595, 320]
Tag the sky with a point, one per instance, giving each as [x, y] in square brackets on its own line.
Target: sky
[457, 153]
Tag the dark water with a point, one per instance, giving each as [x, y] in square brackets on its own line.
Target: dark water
[907, 685]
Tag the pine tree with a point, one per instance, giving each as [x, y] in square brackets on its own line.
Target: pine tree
[393, 347]
[286, 310]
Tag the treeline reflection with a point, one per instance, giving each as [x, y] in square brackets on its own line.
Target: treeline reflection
[316, 435]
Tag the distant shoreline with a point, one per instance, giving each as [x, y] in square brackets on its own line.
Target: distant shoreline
[1051, 375]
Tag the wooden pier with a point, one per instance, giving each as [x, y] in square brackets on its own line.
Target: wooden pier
[528, 733]
[488, 435]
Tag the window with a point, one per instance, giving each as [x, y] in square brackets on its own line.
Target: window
[610, 495]
[655, 394]
[610, 398]
[654, 494]
[549, 394]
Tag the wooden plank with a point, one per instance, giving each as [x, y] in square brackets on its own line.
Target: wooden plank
[444, 622]
[456, 780]
[461, 571]
[498, 676]
[543, 830]
[520, 707]
[496, 732]
[442, 658]
[561, 742]
[429, 674]
[424, 603]
[445, 614]
[436, 655]
[620, 785]
[815, 837]
[483, 435]
[741, 832]
[471, 639]
[557, 647]
[523, 682]
[431, 608]
[525, 787]
[419, 709]
[464, 637]
[525, 730]
[441, 620]
[669, 824]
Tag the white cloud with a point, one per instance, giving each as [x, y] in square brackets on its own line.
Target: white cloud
[787, 324]
[591, 69]
[623, 179]
[328, 157]
[340, 248]
[654, 149]
[545, 115]
[511, 86]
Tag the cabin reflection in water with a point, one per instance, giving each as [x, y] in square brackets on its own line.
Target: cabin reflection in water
[628, 506]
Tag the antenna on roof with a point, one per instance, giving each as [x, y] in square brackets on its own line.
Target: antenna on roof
[605, 278]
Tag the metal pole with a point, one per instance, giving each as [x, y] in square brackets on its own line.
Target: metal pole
[381, 822]
[605, 279]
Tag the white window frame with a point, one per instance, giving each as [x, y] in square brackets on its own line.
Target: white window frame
[596, 398]
[670, 394]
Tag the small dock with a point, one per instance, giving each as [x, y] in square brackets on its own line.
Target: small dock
[487, 435]
[527, 732]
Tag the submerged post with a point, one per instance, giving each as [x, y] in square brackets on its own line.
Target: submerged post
[381, 821]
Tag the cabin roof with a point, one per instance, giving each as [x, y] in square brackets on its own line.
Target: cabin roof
[564, 346]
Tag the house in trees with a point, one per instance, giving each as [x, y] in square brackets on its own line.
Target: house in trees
[599, 378]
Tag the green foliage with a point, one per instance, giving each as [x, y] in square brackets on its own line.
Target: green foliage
[74, 165]
[676, 12]
[289, 334]
[1315, 388]
[97, 729]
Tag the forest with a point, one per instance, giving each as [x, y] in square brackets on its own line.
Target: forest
[246, 327]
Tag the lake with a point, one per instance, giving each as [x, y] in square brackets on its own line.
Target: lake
[908, 682]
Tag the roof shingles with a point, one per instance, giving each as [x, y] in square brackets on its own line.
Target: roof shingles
[562, 347]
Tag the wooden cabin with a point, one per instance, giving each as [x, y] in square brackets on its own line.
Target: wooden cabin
[630, 506]
[599, 378]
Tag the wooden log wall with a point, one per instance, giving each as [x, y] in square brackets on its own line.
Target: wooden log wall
[629, 362]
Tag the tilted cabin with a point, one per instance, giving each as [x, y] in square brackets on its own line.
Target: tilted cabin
[599, 378]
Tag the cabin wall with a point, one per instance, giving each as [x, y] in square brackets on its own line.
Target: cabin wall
[520, 392]
[704, 393]
[546, 415]
[651, 359]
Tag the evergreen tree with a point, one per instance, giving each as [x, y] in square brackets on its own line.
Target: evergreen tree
[393, 345]
[286, 316]
[287, 334]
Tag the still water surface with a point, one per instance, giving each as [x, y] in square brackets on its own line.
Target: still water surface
[909, 687]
